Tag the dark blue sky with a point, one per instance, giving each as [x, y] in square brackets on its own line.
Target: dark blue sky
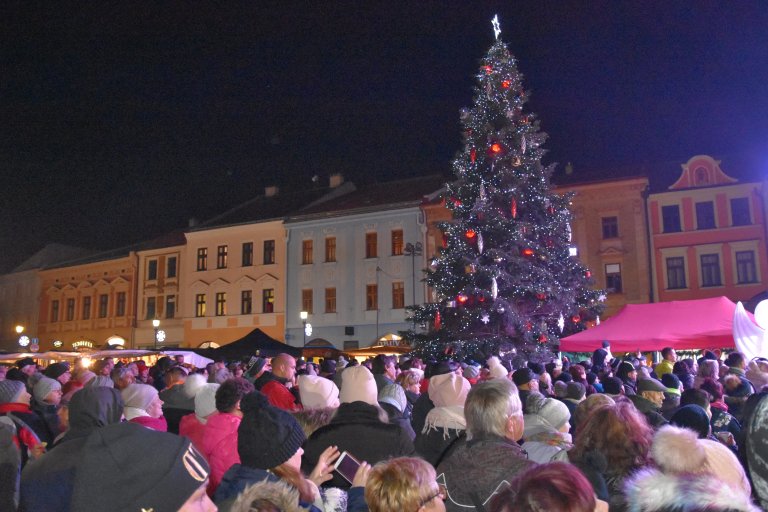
[121, 120]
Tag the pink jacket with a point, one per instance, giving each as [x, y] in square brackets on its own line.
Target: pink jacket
[190, 427]
[158, 424]
[220, 446]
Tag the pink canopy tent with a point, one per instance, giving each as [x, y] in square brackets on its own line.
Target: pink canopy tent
[683, 324]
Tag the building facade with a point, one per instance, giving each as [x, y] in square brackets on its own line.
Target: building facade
[708, 235]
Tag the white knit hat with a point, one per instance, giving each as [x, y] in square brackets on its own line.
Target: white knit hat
[317, 392]
[448, 389]
[497, 371]
[357, 384]
[393, 394]
[193, 384]
[205, 401]
[139, 396]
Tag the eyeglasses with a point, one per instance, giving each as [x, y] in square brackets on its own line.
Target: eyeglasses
[439, 494]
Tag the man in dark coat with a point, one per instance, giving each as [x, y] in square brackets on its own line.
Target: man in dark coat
[474, 470]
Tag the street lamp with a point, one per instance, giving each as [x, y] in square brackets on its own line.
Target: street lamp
[19, 329]
[413, 250]
[156, 325]
[304, 315]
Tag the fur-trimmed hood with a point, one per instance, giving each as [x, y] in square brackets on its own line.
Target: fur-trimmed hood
[280, 494]
[650, 489]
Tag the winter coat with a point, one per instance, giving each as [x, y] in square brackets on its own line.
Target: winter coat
[356, 428]
[650, 489]
[47, 482]
[276, 392]
[756, 448]
[220, 446]
[49, 414]
[32, 419]
[723, 421]
[474, 471]
[192, 428]
[665, 366]
[443, 426]
[158, 424]
[650, 411]
[421, 408]
[398, 418]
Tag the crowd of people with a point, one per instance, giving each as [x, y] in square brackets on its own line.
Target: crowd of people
[604, 433]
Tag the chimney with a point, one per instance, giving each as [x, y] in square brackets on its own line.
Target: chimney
[336, 180]
[568, 169]
[192, 222]
[271, 191]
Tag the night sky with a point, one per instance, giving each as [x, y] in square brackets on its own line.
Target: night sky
[121, 120]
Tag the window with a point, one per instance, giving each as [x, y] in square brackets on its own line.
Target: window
[306, 300]
[330, 249]
[103, 303]
[740, 211]
[671, 218]
[397, 242]
[151, 308]
[398, 295]
[710, 270]
[221, 303]
[221, 256]
[268, 300]
[246, 302]
[151, 270]
[610, 227]
[371, 245]
[675, 273]
[86, 308]
[705, 215]
[371, 297]
[170, 306]
[306, 252]
[247, 254]
[170, 267]
[330, 300]
[613, 277]
[55, 311]
[202, 258]
[745, 267]
[120, 308]
[200, 305]
[269, 252]
[70, 310]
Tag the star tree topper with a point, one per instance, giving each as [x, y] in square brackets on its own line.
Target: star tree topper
[496, 26]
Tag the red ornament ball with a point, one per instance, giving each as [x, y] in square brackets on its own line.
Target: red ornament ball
[470, 234]
[462, 299]
[541, 296]
[496, 147]
[527, 252]
[542, 339]
[505, 84]
[587, 274]
[488, 70]
[473, 155]
[576, 319]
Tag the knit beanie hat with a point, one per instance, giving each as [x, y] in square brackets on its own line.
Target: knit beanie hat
[612, 385]
[523, 376]
[43, 387]
[193, 384]
[393, 394]
[317, 392]
[692, 417]
[575, 391]
[553, 411]
[139, 396]
[21, 363]
[561, 389]
[625, 367]
[128, 467]
[56, 370]
[471, 372]
[328, 366]
[267, 436]
[10, 391]
[357, 384]
[448, 389]
[497, 371]
[671, 382]
[205, 401]
[101, 380]
[257, 366]
[85, 377]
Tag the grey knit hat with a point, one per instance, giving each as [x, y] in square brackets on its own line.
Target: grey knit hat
[10, 390]
[393, 394]
[43, 388]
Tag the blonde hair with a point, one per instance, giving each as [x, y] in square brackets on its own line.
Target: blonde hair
[408, 378]
[402, 483]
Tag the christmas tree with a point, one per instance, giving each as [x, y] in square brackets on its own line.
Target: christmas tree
[504, 280]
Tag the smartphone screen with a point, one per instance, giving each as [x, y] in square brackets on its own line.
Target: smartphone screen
[347, 466]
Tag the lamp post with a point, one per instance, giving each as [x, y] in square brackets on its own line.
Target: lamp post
[413, 250]
[304, 315]
[156, 325]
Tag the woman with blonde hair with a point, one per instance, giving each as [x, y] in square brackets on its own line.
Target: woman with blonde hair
[403, 483]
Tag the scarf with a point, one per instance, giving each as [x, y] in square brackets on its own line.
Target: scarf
[447, 418]
[719, 404]
[133, 412]
[559, 439]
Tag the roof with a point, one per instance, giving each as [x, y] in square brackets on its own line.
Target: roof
[376, 197]
[682, 324]
[50, 255]
[278, 206]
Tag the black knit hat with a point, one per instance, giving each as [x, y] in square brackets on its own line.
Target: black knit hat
[523, 376]
[267, 436]
[56, 370]
[21, 363]
[128, 467]
[612, 385]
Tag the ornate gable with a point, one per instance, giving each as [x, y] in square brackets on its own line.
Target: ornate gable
[701, 171]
